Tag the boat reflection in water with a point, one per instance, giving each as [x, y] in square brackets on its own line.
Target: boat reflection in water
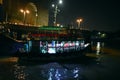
[87, 68]
[50, 71]
[71, 70]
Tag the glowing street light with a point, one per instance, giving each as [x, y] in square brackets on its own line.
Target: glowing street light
[36, 18]
[56, 10]
[24, 12]
[79, 21]
[36, 15]
[60, 1]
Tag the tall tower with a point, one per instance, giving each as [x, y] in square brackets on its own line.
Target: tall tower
[43, 12]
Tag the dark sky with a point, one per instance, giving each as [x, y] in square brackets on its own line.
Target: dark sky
[96, 14]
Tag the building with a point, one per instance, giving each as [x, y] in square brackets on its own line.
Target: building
[1, 13]
[38, 12]
[1, 1]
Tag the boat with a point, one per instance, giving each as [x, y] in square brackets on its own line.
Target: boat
[52, 45]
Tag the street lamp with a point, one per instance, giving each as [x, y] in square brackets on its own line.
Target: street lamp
[56, 10]
[36, 15]
[60, 1]
[24, 12]
[36, 18]
[79, 21]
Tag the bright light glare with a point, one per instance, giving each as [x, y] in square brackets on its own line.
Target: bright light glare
[53, 5]
[58, 24]
[61, 26]
[27, 11]
[86, 45]
[21, 10]
[36, 14]
[79, 20]
[24, 11]
[60, 1]
[98, 47]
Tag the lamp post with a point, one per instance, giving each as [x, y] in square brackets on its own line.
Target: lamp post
[56, 10]
[24, 12]
[36, 15]
[36, 18]
[79, 21]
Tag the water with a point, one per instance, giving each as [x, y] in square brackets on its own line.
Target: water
[101, 64]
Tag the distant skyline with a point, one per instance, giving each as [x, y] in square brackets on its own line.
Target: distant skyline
[96, 14]
[101, 15]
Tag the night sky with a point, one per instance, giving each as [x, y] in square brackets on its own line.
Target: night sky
[101, 15]
[97, 14]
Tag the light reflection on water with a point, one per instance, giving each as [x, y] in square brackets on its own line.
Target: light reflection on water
[19, 72]
[98, 47]
[50, 71]
[55, 70]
